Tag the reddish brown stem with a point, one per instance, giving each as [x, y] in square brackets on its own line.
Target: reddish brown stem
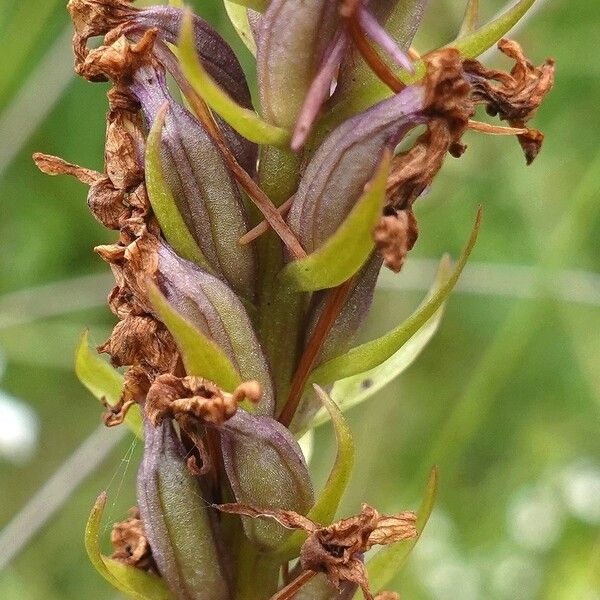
[260, 199]
[371, 57]
[495, 129]
[335, 301]
[264, 226]
[290, 590]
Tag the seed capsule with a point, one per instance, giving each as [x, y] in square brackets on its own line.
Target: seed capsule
[345, 162]
[213, 308]
[265, 467]
[177, 521]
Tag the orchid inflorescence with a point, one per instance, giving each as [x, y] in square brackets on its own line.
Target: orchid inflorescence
[249, 245]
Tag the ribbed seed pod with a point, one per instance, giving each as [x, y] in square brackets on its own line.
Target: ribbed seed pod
[177, 521]
[213, 308]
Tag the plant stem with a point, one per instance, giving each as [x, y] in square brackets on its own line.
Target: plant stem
[335, 302]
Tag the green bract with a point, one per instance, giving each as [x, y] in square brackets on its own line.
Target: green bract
[343, 254]
[371, 354]
[103, 381]
[132, 582]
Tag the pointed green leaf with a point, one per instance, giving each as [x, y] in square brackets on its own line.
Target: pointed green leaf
[343, 254]
[104, 381]
[373, 353]
[201, 356]
[487, 35]
[163, 203]
[470, 20]
[328, 500]
[354, 390]
[132, 582]
[388, 562]
[245, 121]
[238, 15]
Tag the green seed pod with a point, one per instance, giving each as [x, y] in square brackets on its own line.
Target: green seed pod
[177, 521]
[266, 468]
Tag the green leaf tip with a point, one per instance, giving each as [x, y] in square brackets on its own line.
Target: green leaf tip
[344, 253]
[161, 198]
[373, 353]
[389, 561]
[238, 15]
[329, 499]
[482, 39]
[104, 381]
[201, 356]
[257, 5]
[132, 582]
[470, 21]
[245, 121]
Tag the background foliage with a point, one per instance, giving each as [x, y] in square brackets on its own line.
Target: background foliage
[506, 399]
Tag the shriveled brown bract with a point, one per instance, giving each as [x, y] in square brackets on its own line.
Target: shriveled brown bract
[337, 550]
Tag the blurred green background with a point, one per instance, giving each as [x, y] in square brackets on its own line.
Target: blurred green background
[505, 400]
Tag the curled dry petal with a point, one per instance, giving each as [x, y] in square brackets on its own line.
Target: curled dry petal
[130, 544]
[141, 340]
[195, 398]
[514, 96]
[286, 518]
[394, 236]
[97, 17]
[338, 549]
[176, 520]
[212, 307]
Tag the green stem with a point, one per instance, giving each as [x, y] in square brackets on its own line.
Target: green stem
[280, 308]
[257, 576]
